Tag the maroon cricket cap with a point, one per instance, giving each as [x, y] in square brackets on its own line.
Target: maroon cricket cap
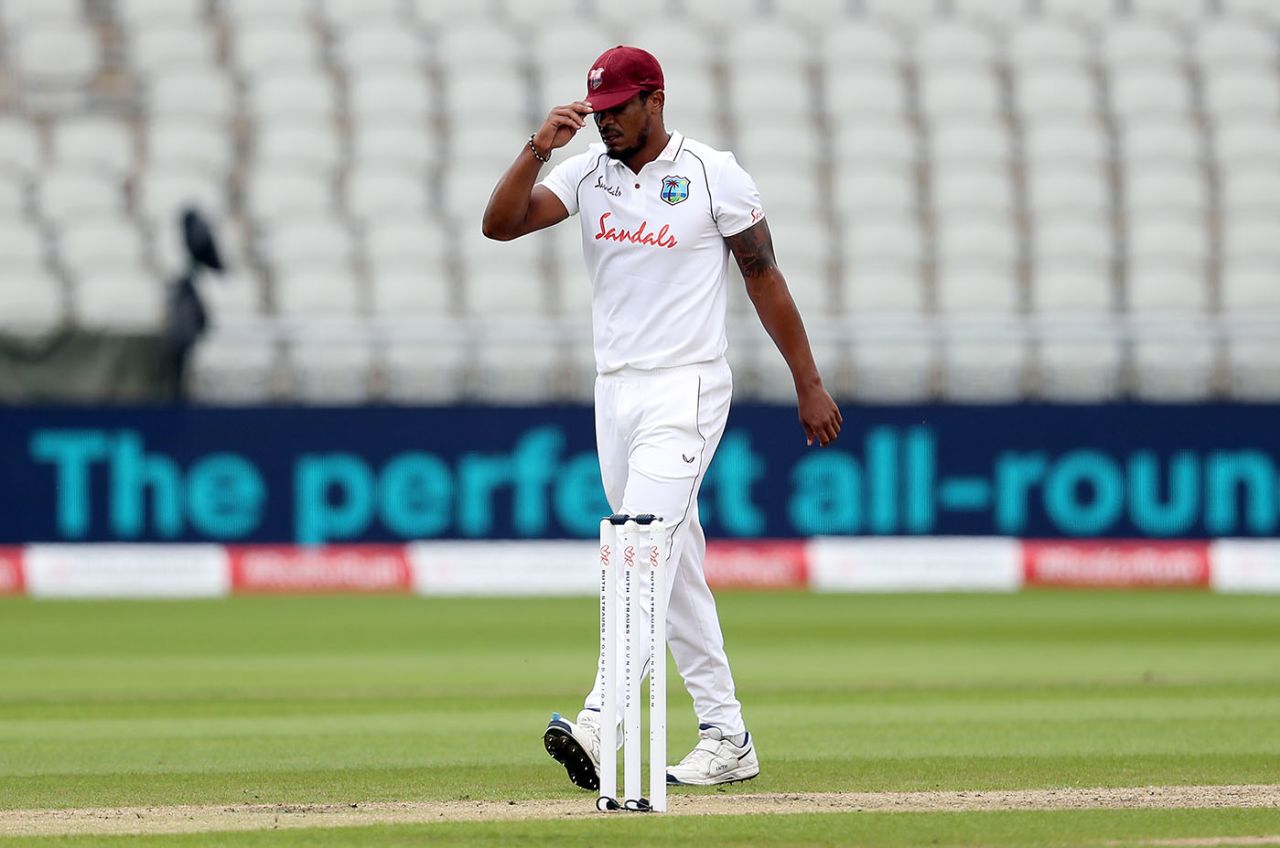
[620, 74]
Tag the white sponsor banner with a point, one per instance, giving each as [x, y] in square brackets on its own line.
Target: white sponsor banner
[915, 565]
[505, 568]
[127, 571]
[1245, 565]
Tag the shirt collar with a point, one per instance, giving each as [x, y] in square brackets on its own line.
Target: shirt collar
[668, 154]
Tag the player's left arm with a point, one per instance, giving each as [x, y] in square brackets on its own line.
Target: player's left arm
[753, 250]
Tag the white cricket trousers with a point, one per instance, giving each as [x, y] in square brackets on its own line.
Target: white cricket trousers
[656, 432]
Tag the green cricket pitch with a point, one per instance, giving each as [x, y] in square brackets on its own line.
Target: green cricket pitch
[1023, 719]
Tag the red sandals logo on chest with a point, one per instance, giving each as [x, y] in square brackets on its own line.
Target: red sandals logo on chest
[641, 235]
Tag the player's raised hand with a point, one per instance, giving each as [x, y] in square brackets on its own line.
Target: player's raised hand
[561, 125]
[819, 416]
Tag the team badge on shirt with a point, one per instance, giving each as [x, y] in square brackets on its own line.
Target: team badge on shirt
[675, 190]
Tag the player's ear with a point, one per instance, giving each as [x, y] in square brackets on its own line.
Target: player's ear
[656, 101]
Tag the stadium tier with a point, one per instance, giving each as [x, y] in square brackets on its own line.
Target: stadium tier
[973, 200]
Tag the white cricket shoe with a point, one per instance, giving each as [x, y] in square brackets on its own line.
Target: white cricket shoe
[715, 760]
[576, 746]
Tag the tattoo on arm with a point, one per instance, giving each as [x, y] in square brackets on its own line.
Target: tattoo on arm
[753, 248]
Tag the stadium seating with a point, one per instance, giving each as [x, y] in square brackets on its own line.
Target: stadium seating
[1096, 180]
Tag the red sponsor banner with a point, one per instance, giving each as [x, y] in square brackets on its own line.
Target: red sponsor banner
[757, 565]
[1116, 564]
[350, 568]
[11, 582]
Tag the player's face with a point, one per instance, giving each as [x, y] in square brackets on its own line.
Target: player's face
[625, 129]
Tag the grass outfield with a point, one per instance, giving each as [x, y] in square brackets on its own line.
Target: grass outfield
[357, 699]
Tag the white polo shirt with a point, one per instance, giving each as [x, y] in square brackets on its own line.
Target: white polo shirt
[654, 244]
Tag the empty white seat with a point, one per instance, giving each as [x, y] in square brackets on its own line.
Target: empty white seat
[1059, 290]
[292, 95]
[313, 242]
[404, 241]
[882, 290]
[380, 43]
[850, 44]
[1079, 370]
[1242, 92]
[883, 241]
[1231, 42]
[340, 14]
[423, 371]
[510, 291]
[1263, 10]
[1140, 42]
[1056, 94]
[789, 92]
[1250, 238]
[391, 95]
[120, 299]
[190, 92]
[530, 14]
[786, 190]
[33, 301]
[812, 12]
[905, 13]
[459, 43]
[24, 247]
[1173, 369]
[156, 49]
[490, 147]
[405, 145]
[716, 13]
[88, 245]
[967, 94]
[255, 12]
[1052, 144]
[1057, 188]
[1093, 12]
[983, 370]
[951, 42]
[565, 47]
[1162, 288]
[995, 13]
[19, 145]
[504, 93]
[65, 193]
[875, 189]
[274, 194]
[377, 192]
[1047, 42]
[411, 291]
[1162, 142]
[1171, 240]
[860, 95]
[1140, 91]
[893, 370]
[194, 145]
[13, 197]
[1079, 240]
[971, 241]
[232, 370]
[514, 371]
[316, 290]
[1250, 288]
[891, 142]
[976, 289]
[1169, 189]
[679, 49]
[94, 142]
[958, 190]
[145, 13]
[753, 42]
[63, 55]
[1253, 140]
[1254, 368]
[330, 372]
[1182, 12]
[275, 47]
[762, 143]
[19, 13]
[986, 145]
[464, 194]
[302, 145]
[1250, 190]
[164, 194]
